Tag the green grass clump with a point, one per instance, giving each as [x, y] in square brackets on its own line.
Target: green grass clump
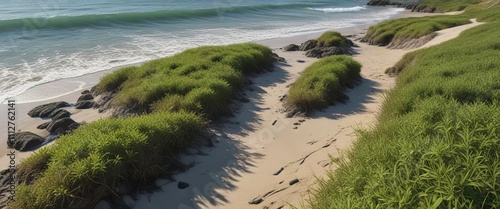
[406, 29]
[332, 38]
[322, 83]
[448, 5]
[84, 167]
[201, 80]
[177, 94]
[482, 15]
[436, 144]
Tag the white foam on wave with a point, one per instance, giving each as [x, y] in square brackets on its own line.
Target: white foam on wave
[339, 9]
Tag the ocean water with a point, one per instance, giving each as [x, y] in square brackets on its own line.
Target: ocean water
[47, 40]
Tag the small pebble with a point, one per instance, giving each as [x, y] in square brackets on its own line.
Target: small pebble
[292, 182]
[255, 201]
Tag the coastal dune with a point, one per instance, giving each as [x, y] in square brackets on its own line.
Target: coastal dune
[264, 159]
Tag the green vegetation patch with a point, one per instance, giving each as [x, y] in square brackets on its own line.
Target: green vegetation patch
[448, 5]
[485, 15]
[179, 95]
[406, 29]
[437, 141]
[201, 80]
[86, 166]
[322, 83]
[332, 38]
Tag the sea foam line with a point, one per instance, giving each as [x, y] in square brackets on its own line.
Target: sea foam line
[339, 9]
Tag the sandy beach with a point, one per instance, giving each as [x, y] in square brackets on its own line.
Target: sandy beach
[260, 155]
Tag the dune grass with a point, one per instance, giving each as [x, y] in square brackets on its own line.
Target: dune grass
[332, 38]
[322, 83]
[176, 96]
[83, 167]
[437, 141]
[490, 15]
[406, 29]
[449, 5]
[201, 80]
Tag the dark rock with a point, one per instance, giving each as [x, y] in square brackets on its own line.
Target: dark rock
[295, 127]
[43, 125]
[255, 201]
[277, 58]
[55, 112]
[85, 92]
[320, 52]
[291, 47]
[379, 3]
[25, 141]
[390, 71]
[46, 109]
[292, 182]
[85, 97]
[182, 185]
[308, 45]
[62, 126]
[301, 61]
[278, 172]
[85, 104]
[296, 124]
[58, 114]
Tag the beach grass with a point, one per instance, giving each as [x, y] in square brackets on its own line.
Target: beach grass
[200, 80]
[177, 97]
[323, 83]
[332, 38]
[449, 5]
[87, 165]
[437, 140]
[406, 29]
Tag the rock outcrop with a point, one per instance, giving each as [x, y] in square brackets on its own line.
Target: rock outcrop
[25, 141]
[314, 48]
[62, 126]
[46, 109]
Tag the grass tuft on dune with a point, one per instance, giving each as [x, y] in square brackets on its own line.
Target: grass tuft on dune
[177, 97]
[394, 32]
[323, 82]
[332, 38]
[436, 144]
[201, 80]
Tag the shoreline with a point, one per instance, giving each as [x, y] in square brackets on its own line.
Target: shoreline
[93, 78]
[25, 123]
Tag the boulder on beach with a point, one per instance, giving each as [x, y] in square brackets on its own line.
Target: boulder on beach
[25, 141]
[85, 97]
[59, 113]
[62, 126]
[308, 45]
[46, 109]
[291, 47]
[85, 104]
[43, 125]
[320, 52]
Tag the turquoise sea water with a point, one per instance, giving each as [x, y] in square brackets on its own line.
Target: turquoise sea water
[46, 40]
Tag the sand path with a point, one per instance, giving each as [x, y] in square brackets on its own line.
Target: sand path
[259, 141]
